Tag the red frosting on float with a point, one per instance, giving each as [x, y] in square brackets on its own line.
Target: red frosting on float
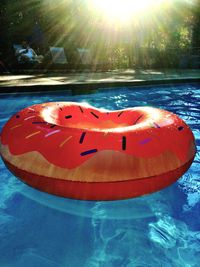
[68, 134]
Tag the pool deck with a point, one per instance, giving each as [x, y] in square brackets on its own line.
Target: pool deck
[54, 81]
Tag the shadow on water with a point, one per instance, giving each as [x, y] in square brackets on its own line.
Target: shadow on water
[124, 209]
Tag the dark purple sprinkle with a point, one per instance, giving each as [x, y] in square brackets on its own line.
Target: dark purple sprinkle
[157, 126]
[82, 137]
[61, 109]
[145, 141]
[120, 114]
[138, 119]
[180, 128]
[81, 109]
[123, 142]
[68, 117]
[95, 115]
[52, 126]
[89, 152]
[37, 122]
[17, 116]
[107, 113]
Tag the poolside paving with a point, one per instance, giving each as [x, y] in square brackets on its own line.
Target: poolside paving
[109, 77]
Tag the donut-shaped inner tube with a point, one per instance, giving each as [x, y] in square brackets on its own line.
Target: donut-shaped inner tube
[77, 151]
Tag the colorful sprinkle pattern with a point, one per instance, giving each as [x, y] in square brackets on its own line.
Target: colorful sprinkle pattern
[68, 134]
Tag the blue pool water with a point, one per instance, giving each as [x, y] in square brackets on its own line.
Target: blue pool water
[158, 230]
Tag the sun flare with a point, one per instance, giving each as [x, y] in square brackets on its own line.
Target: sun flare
[124, 10]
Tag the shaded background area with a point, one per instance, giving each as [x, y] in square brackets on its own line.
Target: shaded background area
[166, 37]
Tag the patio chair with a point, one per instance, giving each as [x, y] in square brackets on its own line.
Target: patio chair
[85, 56]
[58, 55]
[89, 60]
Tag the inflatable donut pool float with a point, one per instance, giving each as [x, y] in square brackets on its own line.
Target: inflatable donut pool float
[78, 151]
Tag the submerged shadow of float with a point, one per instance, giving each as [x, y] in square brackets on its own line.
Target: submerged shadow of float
[123, 209]
[77, 151]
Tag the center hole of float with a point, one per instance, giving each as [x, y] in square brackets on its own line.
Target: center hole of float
[92, 119]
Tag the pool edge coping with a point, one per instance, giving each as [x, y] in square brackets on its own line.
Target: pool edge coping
[91, 85]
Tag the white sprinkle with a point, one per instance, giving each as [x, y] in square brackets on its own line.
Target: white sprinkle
[29, 118]
[54, 132]
[31, 109]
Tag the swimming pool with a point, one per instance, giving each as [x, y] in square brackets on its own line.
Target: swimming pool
[161, 229]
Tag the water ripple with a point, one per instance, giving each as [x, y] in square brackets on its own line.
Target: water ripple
[159, 230]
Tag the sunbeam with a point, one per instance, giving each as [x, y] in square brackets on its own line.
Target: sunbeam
[122, 11]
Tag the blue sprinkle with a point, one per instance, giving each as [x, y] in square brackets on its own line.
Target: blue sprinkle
[180, 128]
[68, 117]
[82, 137]
[81, 109]
[120, 114]
[89, 152]
[157, 126]
[95, 115]
[123, 142]
[145, 141]
[38, 122]
[138, 119]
